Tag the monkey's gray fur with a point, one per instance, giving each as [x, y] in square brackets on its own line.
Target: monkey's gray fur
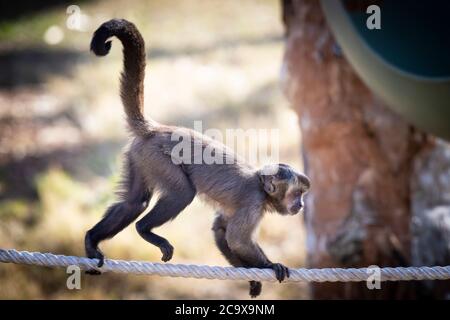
[242, 192]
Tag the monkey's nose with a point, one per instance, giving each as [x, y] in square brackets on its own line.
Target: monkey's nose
[296, 209]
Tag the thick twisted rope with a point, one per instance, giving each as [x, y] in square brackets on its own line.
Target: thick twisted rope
[223, 273]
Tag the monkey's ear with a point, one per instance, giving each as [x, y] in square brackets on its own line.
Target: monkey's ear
[267, 183]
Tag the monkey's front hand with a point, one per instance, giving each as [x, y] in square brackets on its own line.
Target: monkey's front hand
[281, 271]
[255, 288]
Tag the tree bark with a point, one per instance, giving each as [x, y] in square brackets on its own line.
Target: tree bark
[365, 164]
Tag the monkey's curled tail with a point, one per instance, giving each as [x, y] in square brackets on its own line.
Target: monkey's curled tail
[132, 77]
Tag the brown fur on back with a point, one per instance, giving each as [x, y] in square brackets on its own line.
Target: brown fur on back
[219, 184]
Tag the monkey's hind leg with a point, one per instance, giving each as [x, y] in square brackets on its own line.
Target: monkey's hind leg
[174, 199]
[220, 228]
[134, 200]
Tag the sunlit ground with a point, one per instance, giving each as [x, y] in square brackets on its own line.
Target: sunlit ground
[62, 130]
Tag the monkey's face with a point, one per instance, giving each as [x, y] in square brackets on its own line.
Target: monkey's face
[285, 188]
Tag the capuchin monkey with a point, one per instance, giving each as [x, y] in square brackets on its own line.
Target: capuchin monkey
[242, 192]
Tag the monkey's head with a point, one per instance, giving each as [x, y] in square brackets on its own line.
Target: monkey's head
[285, 188]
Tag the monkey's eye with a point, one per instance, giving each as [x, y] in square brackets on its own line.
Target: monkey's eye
[272, 188]
[298, 194]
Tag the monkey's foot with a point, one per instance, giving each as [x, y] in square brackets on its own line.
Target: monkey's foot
[167, 251]
[281, 271]
[93, 252]
[101, 261]
[255, 288]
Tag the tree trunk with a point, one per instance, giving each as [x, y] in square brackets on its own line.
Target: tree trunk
[367, 168]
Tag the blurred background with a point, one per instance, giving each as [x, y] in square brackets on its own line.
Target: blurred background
[62, 131]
